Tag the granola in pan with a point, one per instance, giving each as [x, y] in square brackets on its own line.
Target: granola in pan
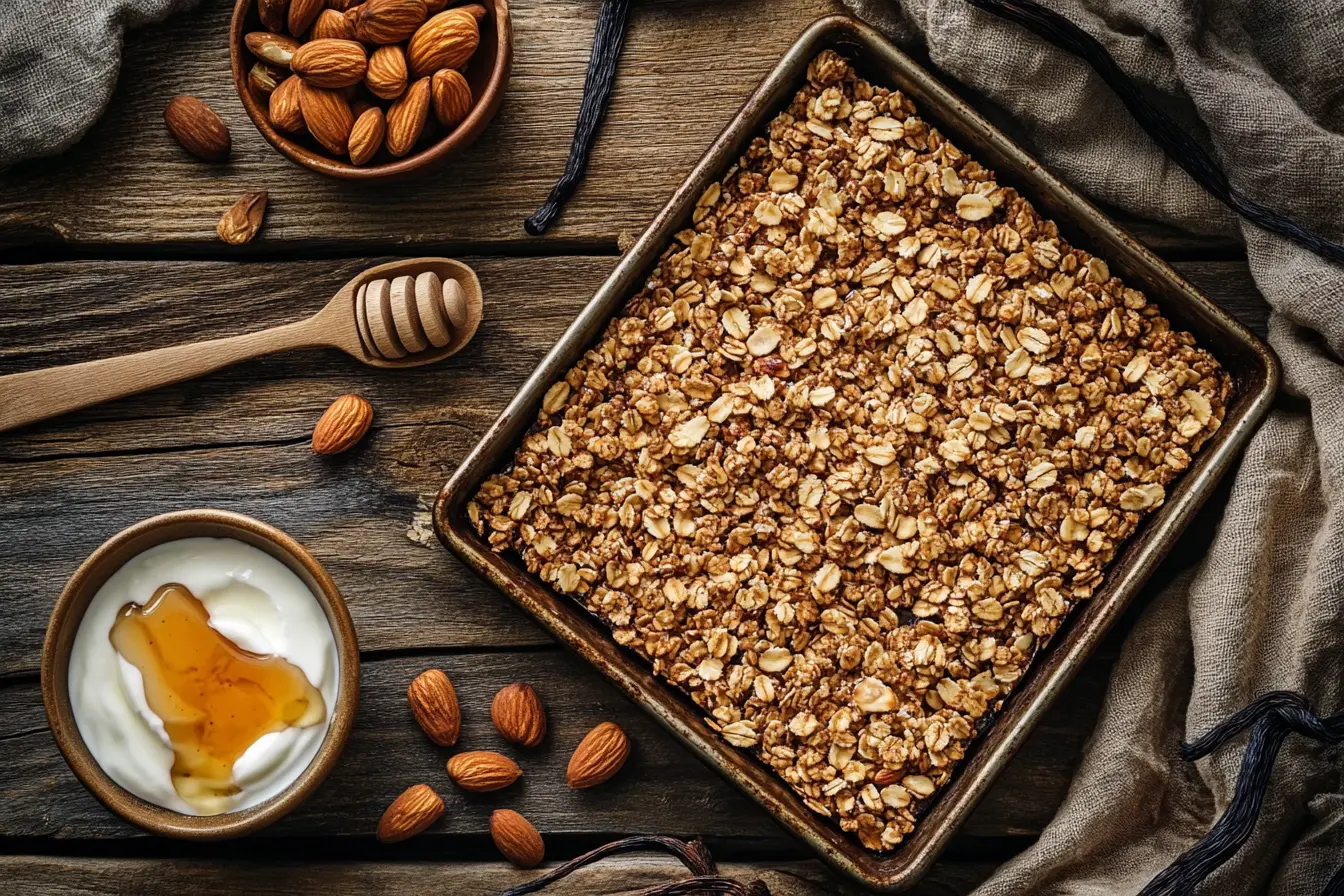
[869, 433]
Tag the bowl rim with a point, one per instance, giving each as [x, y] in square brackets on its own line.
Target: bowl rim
[69, 611]
[429, 158]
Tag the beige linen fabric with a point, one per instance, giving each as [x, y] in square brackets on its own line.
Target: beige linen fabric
[1264, 609]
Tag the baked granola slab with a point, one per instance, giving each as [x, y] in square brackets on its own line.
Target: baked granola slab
[867, 435]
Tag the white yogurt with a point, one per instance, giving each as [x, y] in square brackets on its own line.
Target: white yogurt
[255, 601]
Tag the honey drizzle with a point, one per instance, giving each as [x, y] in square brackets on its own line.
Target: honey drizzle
[215, 699]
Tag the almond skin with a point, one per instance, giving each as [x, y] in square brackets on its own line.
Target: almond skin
[277, 49]
[333, 24]
[302, 15]
[518, 715]
[263, 78]
[482, 771]
[386, 76]
[388, 21]
[327, 115]
[366, 137]
[516, 838]
[342, 425]
[417, 808]
[330, 62]
[451, 96]
[197, 128]
[406, 118]
[598, 756]
[243, 220]
[434, 704]
[284, 110]
[446, 41]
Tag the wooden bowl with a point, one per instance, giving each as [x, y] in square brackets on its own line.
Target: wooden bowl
[487, 73]
[69, 611]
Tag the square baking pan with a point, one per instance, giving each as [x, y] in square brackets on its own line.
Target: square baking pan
[1252, 366]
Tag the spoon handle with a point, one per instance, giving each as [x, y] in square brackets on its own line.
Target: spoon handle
[38, 394]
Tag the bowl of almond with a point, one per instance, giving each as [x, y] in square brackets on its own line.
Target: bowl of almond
[378, 90]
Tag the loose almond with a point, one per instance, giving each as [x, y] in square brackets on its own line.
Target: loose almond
[284, 110]
[330, 62]
[447, 40]
[334, 25]
[277, 49]
[388, 21]
[451, 95]
[406, 118]
[302, 15]
[263, 78]
[416, 809]
[518, 715]
[243, 220]
[481, 771]
[366, 137]
[516, 838]
[598, 756]
[327, 115]
[342, 425]
[197, 128]
[434, 705]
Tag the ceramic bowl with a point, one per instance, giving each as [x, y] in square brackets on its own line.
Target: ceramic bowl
[69, 611]
[487, 73]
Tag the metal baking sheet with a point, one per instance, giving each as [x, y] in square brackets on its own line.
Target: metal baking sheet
[1252, 366]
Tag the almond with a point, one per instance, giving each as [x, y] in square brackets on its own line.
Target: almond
[477, 11]
[446, 41]
[366, 137]
[333, 24]
[197, 128]
[263, 78]
[388, 21]
[434, 703]
[243, 220]
[386, 77]
[451, 95]
[274, 14]
[342, 425]
[481, 771]
[302, 15]
[417, 808]
[284, 110]
[327, 115]
[518, 715]
[277, 49]
[406, 118]
[342, 5]
[516, 838]
[598, 756]
[330, 62]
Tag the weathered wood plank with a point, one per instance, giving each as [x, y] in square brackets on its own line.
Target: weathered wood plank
[663, 789]
[32, 875]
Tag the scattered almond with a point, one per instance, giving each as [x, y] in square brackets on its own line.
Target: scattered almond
[451, 95]
[284, 111]
[243, 220]
[386, 76]
[434, 705]
[518, 715]
[333, 24]
[197, 128]
[516, 838]
[388, 21]
[342, 425]
[447, 40]
[327, 115]
[277, 49]
[417, 808]
[330, 62]
[598, 756]
[302, 14]
[482, 770]
[406, 118]
[366, 137]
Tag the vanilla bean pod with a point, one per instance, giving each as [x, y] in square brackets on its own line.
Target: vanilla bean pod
[694, 855]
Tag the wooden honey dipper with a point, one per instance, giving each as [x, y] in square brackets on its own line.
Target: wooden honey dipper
[400, 314]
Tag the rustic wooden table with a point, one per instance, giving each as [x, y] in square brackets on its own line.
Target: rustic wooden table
[111, 248]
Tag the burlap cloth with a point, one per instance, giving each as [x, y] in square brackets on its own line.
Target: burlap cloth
[1263, 82]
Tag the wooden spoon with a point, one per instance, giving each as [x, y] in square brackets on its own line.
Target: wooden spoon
[39, 394]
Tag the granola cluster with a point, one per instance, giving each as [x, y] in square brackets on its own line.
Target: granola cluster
[868, 434]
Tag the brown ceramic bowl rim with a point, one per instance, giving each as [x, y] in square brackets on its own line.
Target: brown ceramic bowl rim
[69, 611]
[429, 158]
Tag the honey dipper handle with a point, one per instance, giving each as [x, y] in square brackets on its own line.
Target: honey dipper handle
[38, 394]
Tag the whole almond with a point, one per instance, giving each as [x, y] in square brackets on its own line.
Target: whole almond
[447, 40]
[243, 220]
[197, 128]
[366, 137]
[388, 21]
[333, 24]
[451, 95]
[342, 425]
[477, 11]
[434, 704]
[406, 118]
[386, 77]
[598, 756]
[284, 110]
[277, 49]
[516, 838]
[417, 808]
[518, 715]
[342, 5]
[330, 62]
[328, 117]
[436, 6]
[302, 15]
[263, 78]
[274, 14]
[481, 771]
